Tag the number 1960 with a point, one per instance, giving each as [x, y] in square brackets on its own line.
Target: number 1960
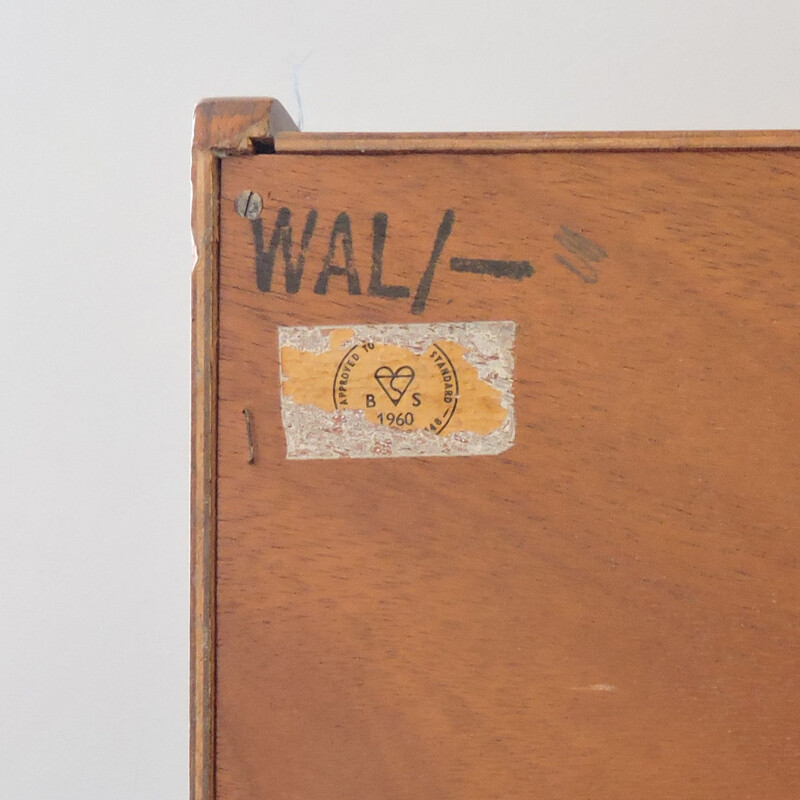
[400, 420]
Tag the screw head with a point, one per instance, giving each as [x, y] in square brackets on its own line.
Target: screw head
[248, 204]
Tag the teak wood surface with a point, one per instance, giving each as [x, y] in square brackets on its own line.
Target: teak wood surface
[610, 608]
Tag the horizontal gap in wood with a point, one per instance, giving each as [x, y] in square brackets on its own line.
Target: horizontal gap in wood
[263, 146]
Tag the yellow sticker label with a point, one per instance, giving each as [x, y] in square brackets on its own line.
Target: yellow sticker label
[393, 390]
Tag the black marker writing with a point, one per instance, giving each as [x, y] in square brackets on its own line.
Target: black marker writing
[498, 269]
[376, 287]
[281, 236]
[341, 230]
[424, 287]
[339, 260]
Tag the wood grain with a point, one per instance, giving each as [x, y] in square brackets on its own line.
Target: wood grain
[607, 610]
[220, 126]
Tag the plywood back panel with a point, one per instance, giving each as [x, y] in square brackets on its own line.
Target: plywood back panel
[607, 609]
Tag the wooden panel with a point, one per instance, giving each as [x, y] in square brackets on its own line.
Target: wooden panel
[609, 609]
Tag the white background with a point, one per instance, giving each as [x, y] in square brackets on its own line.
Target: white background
[95, 254]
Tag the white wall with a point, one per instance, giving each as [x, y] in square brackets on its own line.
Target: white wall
[95, 256]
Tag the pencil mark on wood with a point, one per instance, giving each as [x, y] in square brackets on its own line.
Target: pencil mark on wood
[587, 251]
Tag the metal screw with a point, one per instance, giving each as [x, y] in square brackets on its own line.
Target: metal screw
[248, 204]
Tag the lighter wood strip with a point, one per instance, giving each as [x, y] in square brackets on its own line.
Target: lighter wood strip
[296, 142]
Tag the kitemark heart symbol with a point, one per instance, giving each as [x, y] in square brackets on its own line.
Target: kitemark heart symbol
[394, 383]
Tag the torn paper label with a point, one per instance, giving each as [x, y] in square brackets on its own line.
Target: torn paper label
[372, 391]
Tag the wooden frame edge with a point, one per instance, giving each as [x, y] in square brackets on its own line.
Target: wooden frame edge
[222, 128]
[622, 141]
